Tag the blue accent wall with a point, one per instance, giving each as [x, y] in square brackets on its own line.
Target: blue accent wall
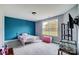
[14, 26]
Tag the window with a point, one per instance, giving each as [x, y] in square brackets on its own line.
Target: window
[50, 27]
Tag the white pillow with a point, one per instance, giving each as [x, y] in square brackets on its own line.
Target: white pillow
[24, 34]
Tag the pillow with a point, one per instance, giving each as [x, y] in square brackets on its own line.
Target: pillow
[22, 37]
[24, 34]
[19, 36]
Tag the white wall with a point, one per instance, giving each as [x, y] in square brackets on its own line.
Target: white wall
[78, 41]
[78, 9]
[38, 28]
[1, 27]
[73, 11]
[60, 21]
[78, 34]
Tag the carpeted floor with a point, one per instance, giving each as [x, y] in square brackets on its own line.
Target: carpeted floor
[13, 44]
[39, 48]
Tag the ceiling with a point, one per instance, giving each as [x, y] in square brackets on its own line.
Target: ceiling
[24, 11]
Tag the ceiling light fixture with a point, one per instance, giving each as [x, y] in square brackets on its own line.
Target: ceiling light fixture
[34, 13]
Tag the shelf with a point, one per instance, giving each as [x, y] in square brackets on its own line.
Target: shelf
[68, 35]
[66, 51]
[69, 42]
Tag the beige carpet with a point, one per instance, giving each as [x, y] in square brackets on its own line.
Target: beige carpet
[40, 48]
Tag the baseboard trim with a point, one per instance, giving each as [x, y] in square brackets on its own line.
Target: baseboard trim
[9, 41]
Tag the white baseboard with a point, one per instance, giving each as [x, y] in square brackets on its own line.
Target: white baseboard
[9, 41]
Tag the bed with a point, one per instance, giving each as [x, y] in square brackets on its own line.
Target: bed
[27, 38]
